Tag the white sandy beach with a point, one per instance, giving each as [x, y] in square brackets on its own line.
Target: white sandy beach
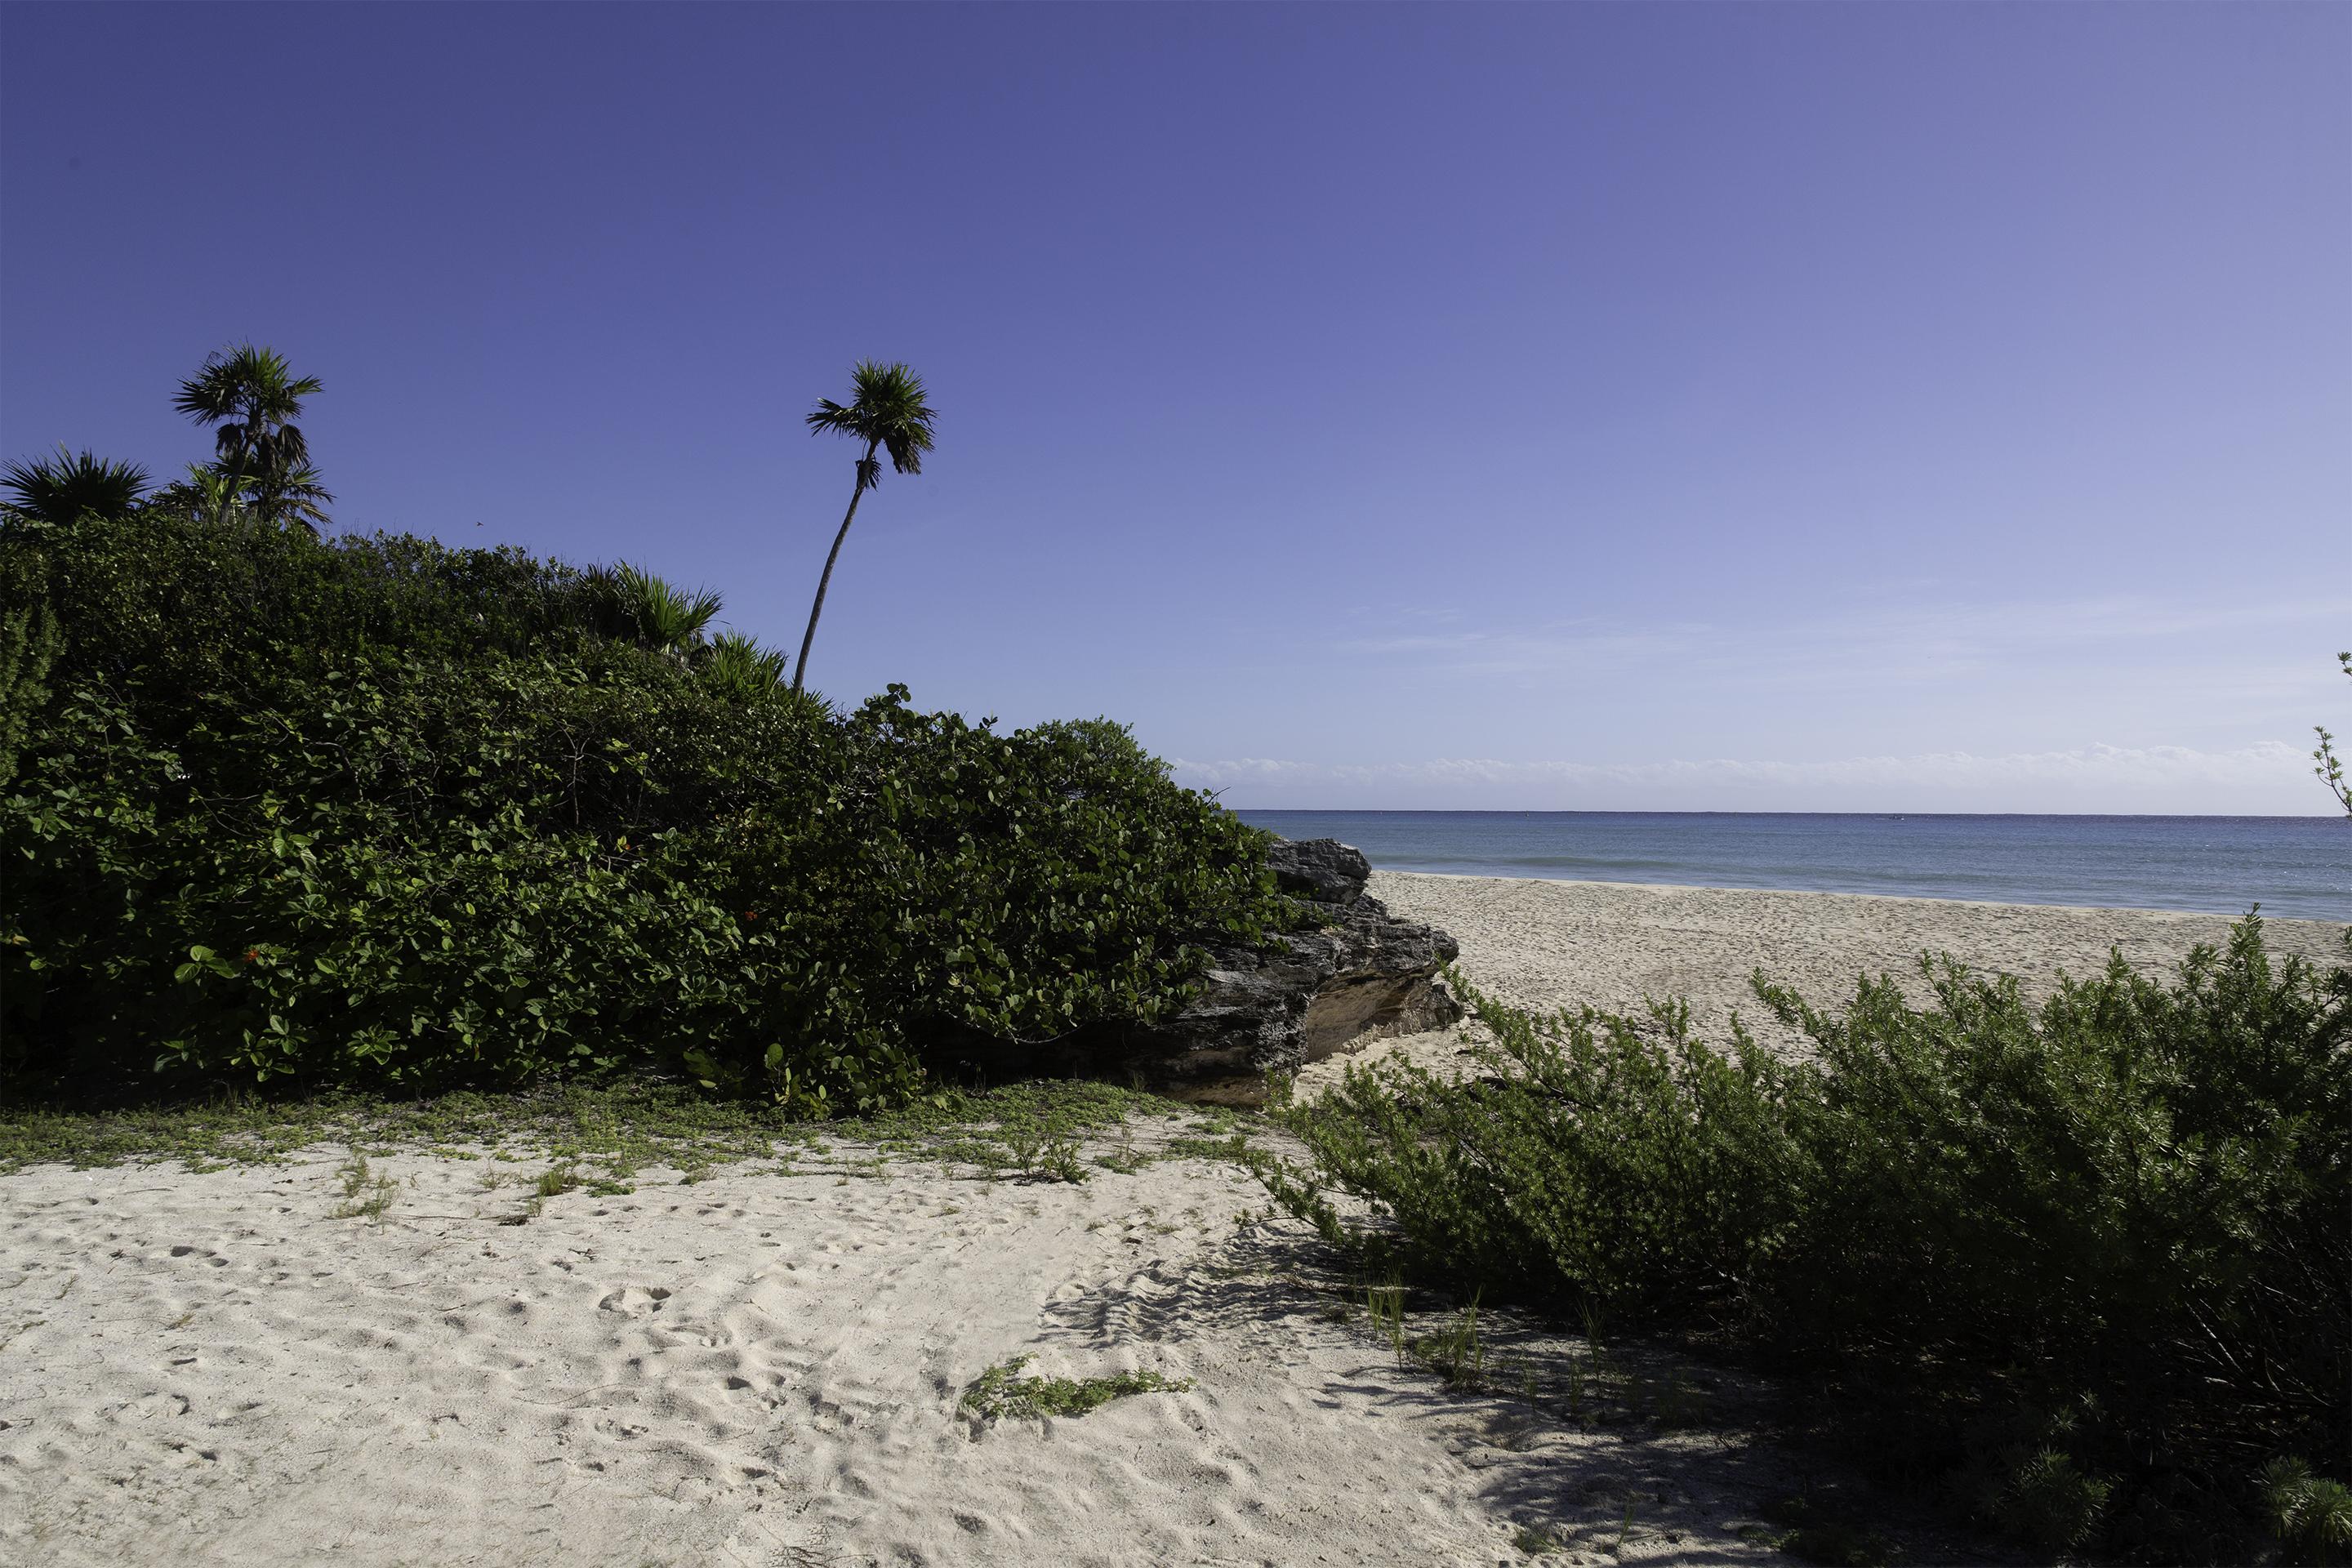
[765, 1368]
[1545, 944]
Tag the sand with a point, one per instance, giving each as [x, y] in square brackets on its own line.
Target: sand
[1546, 944]
[751, 1369]
[765, 1366]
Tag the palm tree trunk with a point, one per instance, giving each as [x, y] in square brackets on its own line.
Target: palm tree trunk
[800, 671]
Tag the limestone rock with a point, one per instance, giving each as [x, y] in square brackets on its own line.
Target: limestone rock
[1361, 974]
[1322, 870]
[1357, 974]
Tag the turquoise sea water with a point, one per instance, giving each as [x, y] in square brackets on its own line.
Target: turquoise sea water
[2291, 866]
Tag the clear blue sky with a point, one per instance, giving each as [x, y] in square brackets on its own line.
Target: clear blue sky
[1772, 406]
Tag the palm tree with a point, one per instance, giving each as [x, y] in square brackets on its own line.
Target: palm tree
[254, 397]
[888, 414]
[74, 483]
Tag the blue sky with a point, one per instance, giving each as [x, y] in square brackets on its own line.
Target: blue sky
[1771, 407]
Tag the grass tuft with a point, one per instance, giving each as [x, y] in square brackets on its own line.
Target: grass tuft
[366, 1195]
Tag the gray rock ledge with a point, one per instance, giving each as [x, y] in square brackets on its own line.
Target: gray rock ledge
[1360, 974]
[1304, 995]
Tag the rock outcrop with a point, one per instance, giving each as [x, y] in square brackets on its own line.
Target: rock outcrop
[1361, 974]
[1357, 974]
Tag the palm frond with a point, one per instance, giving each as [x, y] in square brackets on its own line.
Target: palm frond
[736, 667]
[290, 493]
[286, 444]
[216, 496]
[207, 397]
[830, 416]
[665, 618]
[888, 410]
[73, 485]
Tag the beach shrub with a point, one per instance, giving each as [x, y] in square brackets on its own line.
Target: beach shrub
[382, 812]
[1597, 1164]
[2085, 1263]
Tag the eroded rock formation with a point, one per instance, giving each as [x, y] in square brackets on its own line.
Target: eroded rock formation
[1305, 994]
[1360, 974]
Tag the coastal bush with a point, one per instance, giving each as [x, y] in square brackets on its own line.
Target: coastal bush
[2087, 1263]
[380, 812]
[1596, 1163]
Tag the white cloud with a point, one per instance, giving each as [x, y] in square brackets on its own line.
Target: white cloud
[1865, 645]
[2272, 777]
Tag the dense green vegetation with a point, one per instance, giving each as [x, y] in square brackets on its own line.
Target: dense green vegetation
[2085, 1266]
[380, 812]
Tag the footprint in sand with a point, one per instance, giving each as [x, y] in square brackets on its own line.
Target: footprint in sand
[634, 1300]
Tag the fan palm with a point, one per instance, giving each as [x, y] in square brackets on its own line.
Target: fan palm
[62, 490]
[737, 667]
[659, 615]
[252, 397]
[888, 413]
[283, 494]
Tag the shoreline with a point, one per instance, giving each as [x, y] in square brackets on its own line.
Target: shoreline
[2267, 920]
[2296, 867]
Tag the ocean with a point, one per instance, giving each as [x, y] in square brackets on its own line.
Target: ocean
[2298, 867]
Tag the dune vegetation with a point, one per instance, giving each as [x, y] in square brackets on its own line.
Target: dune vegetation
[377, 812]
[2083, 1270]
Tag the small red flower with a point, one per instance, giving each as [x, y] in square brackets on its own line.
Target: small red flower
[750, 914]
[251, 953]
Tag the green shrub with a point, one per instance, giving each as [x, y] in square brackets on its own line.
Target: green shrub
[381, 812]
[1003, 1393]
[2309, 1515]
[2094, 1254]
[2135, 1194]
[28, 646]
[1599, 1163]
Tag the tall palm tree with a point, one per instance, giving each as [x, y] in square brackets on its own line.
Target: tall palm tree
[62, 490]
[253, 397]
[888, 413]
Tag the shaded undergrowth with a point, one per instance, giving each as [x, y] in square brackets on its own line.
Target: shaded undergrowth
[2082, 1270]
